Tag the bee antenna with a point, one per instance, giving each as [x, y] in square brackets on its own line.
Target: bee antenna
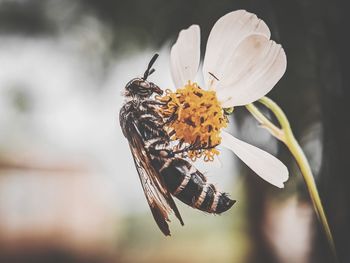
[149, 69]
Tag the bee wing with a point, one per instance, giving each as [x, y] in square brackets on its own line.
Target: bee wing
[157, 195]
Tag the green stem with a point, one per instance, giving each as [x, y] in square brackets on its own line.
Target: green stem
[265, 122]
[286, 135]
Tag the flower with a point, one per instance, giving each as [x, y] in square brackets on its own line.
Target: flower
[241, 65]
[199, 119]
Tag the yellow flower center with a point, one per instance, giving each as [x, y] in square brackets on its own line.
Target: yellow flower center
[195, 118]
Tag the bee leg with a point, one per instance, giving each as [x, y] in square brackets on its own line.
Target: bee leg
[153, 102]
[192, 148]
[170, 119]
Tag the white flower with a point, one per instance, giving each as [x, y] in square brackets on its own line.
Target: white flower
[242, 65]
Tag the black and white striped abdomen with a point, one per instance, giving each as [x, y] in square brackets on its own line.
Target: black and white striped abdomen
[190, 186]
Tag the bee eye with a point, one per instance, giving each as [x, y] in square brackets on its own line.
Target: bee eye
[144, 84]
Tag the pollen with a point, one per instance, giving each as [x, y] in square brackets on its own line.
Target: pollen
[194, 118]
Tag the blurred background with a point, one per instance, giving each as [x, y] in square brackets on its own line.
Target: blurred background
[69, 191]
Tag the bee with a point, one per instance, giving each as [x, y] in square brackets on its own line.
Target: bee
[163, 172]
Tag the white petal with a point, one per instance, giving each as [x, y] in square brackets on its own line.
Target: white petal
[262, 163]
[256, 66]
[185, 56]
[228, 32]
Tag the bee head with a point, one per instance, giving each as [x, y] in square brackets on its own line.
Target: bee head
[140, 87]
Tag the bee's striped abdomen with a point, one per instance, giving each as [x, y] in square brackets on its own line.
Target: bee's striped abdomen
[191, 187]
[206, 198]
